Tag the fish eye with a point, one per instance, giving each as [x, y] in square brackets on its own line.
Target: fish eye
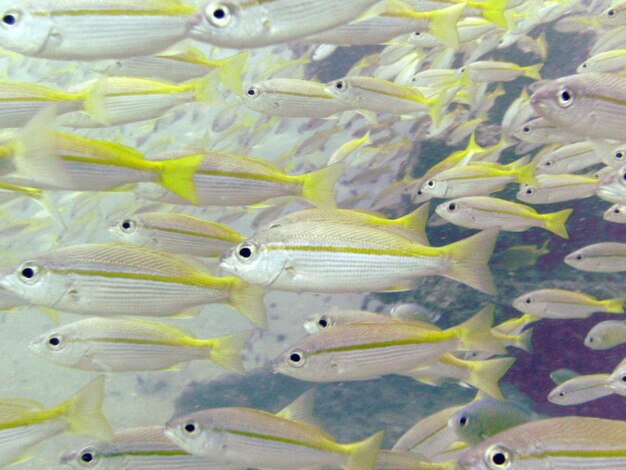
[616, 210]
[128, 225]
[190, 428]
[561, 394]
[528, 300]
[526, 129]
[252, 92]
[430, 183]
[610, 13]
[498, 458]
[28, 272]
[579, 257]
[323, 321]
[296, 358]
[530, 191]
[619, 155]
[564, 98]
[246, 251]
[623, 378]
[417, 34]
[218, 14]
[463, 420]
[419, 192]
[452, 207]
[87, 457]
[583, 65]
[55, 341]
[549, 163]
[340, 85]
[10, 19]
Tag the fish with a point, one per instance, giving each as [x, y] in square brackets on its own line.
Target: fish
[607, 61]
[486, 417]
[290, 97]
[617, 379]
[483, 212]
[175, 233]
[569, 442]
[122, 345]
[605, 257]
[142, 448]
[487, 71]
[242, 24]
[580, 389]
[542, 131]
[589, 104]
[84, 30]
[563, 304]
[361, 351]
[569, 158]
[180, 65]
[552, 189]
[249, 437]
[616, 213]
[24, 423]
[520, 256]
[317, 322]
[336, 257]
[227, 179]
[612, 186]
[606, 335]
[108, 279]
[411, 226]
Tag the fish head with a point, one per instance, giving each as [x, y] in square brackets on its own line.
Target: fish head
[259, 98]
[428, 190]
[197, 434]
[561, 101]
[23, 32]
[343, 90]
[58, 347]
[34, 282]
[582, 259]
[487, 456]
[526, 193]
[254, 263]
[227, 24]
[612, 186]
[616, 213]
[454, 211]
[89, 457]
[318, 322]
[129, 230]
[466, 426]
[528, 304]
[299, 363]
[614, 15]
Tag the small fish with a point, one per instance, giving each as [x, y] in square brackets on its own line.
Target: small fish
[482, 212]
[175, 233]
[317, 322]
[606, 335]
[121, 345]
[580, 389]
[248, 437]
[607, 61]
[226, 179]
[24, 423]
[520, 256]
[108, 279]
[349, 148]
[562, 304]
[486, 417]
[551, 189]
[240, 24]
[569, 158]
[515, 326]
[608, 257]
[612, 186]
[590, 104]
[336, 257]
[487, 71]
[361, 351]
[571, 443]
[616, 213]
[543, 131]
[145, 448]
[290, 97]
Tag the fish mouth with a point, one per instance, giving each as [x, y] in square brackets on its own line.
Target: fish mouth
[225, 261]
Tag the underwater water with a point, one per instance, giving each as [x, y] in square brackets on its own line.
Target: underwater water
[378, 176]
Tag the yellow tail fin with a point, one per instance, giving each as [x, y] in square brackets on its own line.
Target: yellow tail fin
[475, 333]
[177, 176]
[526, 174]
[470, 258]
[615, 305]
[83, 412]
[555, 222]
[205, 88]
[230, 71]
[247, 299]
[95, 102]
[226, 351]
[415, 223]
[318, 186]
[521, 341]
[493, 11]
[442, 25]
[362, 455]
[532, 71]
[485, 375]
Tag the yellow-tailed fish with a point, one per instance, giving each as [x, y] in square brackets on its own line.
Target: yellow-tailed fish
[180, 65]
[290, 97]
[395, 20]
[589, 104]
[608, 61]
[317, 322]
[474, 179]
[490, 10]
[349, 148]
[616, 213]
[226, 179]
[123, 100]
[362, 351]
[487, 417]
[551, 189]
[22, 427]
[411, 226]
[558, 303]
[483, 212]
[520, 256]
[248, 437]
[605, 257]
[521, 340]
[121, 345]
[580, 389]
[569, 158]
[175, 233]
[145, 448]
[487, 71]
[108, 279]
[338, 257]
[612, 186]
[515, 326]
[242, 24]
[88, 30]
[606, 335]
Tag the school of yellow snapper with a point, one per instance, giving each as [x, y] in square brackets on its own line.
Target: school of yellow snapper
[136, 131]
